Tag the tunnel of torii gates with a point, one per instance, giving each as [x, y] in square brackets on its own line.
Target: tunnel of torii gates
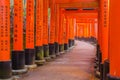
[44, 39]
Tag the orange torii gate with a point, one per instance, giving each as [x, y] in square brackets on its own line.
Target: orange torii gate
[80, 14]
[41, 43]
[5, 61]
[90, 26]
[64, 4]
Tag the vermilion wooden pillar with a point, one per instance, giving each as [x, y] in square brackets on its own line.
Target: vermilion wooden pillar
[77, 31]
[5, 61]
[61, 31]
[30, 51]
[18, 55]
[66, 44]
[99, 43]
[114, 40]
[71, 31]
[45, 29]
[57, 11]
[52, 30]
[99, 26]
[104, 66]
[39, 32]
[65, 33]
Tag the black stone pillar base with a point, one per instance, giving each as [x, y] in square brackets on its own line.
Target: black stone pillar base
[90, 39]
[73, 42]
[99, 59]
[112, 77]
[79, 38]
[76, 37]
[5, 70]
[101, 71]
[93, 40]
[46, 52]
[39, 60]
[57, 49]
[61, 48]
[70, 42]
[97, 51]
[18, 62]
[52, 50]
[66, 47]
[105, 69]
[83, 38]
[30, 58]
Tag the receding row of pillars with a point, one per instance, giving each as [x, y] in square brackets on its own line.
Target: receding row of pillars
[43, 39]
[87, 30]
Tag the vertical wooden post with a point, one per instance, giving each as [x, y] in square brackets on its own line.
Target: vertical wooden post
[104, 38]
[65, 32]
[30, 51]
[73, 31]
[66, 45]
[114, 40]
[18, 55]
[39, 32]
[76, 30]
[70, 31]
[52, 30]
[45, 29]
[5, 61]
[99, 44]
[61, 32]
[57, 29]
